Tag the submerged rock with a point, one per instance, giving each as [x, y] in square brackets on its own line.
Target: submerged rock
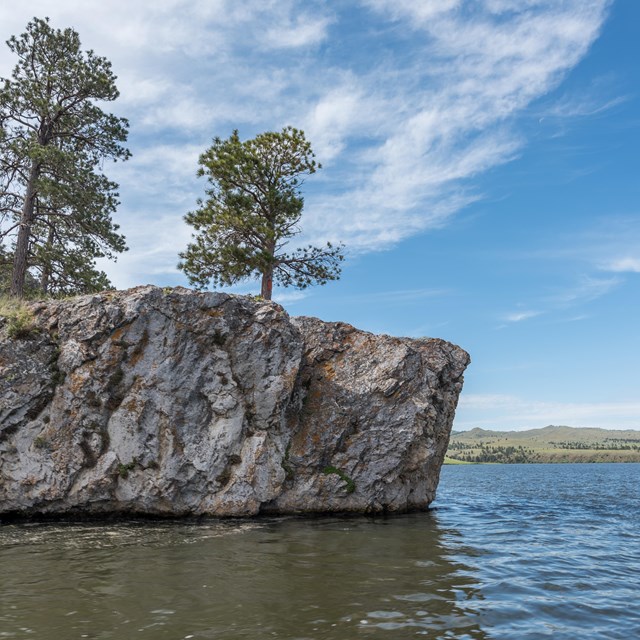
[171, 402]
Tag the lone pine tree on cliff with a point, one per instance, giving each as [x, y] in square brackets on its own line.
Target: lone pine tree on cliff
[252, 209]
[55, 204]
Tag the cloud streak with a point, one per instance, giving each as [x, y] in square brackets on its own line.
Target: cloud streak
[623, 265]
[585, 290]
[519, 316]
[404, 132]
[505, 412]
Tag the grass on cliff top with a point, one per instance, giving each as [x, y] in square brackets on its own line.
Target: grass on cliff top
[10, 306]
[20, 318]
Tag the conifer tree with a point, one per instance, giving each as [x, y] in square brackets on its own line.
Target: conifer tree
[55, 204]
[252, 209]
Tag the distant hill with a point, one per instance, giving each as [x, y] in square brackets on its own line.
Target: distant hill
[550, 444]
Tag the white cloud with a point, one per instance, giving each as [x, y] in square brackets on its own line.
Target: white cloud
[301, 31]
[621, 265]
[418, 12]
[587, 289]
[505, 412]
[456, 126]
[519, 316]
[583, 107]
[160, 178]
[334, 117]
[289, 297]
[403, 137]
[149, 263]
[182, 111]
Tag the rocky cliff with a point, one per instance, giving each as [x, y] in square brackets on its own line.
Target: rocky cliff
[170, 402]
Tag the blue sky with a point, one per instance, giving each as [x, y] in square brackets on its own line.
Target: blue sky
[480, 162]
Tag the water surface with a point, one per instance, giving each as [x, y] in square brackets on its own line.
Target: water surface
[509, 551]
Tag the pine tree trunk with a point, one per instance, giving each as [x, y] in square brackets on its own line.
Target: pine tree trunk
[267, 284]
[21, 255]
[267, 274]
[46, 266]
[44, 279]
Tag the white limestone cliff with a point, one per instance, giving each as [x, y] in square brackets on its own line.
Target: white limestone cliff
[176, 403]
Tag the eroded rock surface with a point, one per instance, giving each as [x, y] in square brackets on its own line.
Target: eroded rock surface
[171, 402]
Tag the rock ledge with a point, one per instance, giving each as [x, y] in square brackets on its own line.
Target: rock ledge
[170, 402]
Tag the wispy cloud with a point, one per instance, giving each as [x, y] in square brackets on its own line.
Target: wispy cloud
[586, 265]
[417, 12]
[621, 265]
[587, 289]
[454, 104]
[288, 297]
[519, 316]
[582, 107]
[403, 133]
[517, 413]
[340, 113]
[299, 31]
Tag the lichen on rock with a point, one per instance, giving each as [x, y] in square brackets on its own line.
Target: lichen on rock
[172, 402]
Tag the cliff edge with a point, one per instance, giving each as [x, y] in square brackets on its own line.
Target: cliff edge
[171, 402]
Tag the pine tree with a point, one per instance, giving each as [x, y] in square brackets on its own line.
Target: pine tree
[253, 208]
[55, 204]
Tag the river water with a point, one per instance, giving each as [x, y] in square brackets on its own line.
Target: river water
[508, 551]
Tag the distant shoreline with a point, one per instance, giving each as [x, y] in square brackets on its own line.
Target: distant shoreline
[452, 462]
[549, 445]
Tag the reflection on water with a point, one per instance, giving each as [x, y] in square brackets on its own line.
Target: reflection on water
[509, 552]
[292, 578]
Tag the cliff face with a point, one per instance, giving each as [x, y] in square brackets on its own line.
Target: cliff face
[151, 401]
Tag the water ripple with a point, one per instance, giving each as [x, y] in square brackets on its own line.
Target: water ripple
[509, 552]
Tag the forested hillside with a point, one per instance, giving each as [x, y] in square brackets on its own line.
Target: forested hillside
[550, 444]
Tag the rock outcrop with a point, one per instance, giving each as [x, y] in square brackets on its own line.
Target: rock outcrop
[171, 402]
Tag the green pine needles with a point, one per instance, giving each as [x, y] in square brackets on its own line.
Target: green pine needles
[252, 209]
[55, 204]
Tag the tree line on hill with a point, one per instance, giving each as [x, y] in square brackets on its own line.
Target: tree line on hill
[604, 450]
[489, 453]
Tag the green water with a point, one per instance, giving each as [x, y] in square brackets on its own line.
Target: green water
[286, 579]
[515, 551]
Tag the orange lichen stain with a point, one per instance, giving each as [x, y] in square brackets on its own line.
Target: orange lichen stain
[329, 371]
[133, 405]
[349, 338]
[290, 378]
[118, 333]
[307, 439]
[214, 313]
[139, 348]
[76, 381]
